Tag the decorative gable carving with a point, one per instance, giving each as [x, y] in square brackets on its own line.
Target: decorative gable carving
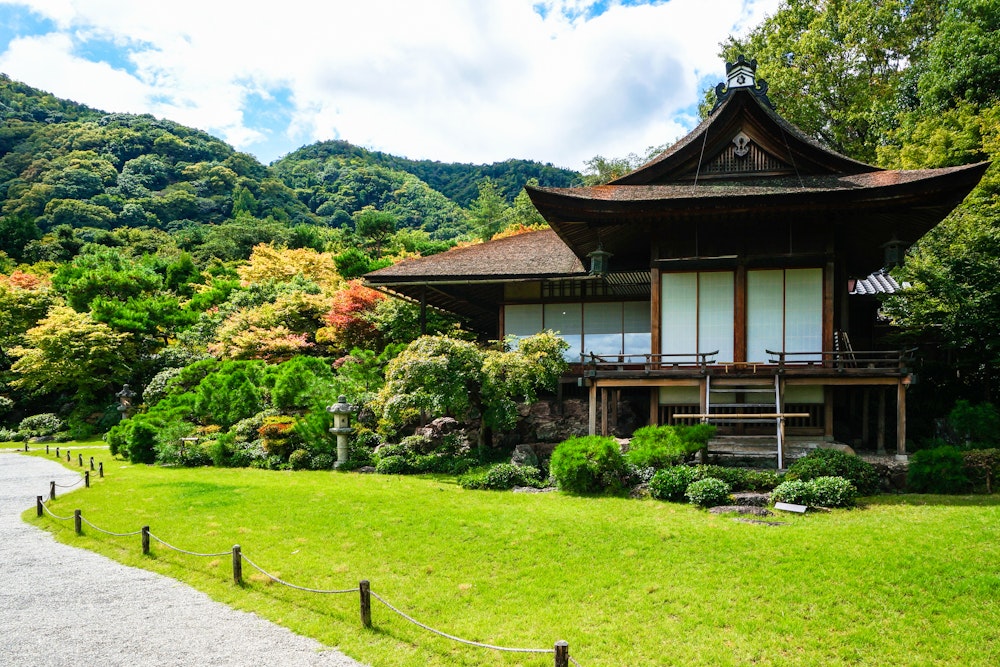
[743, 156]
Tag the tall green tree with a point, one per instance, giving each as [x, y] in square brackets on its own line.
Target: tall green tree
[489, 211]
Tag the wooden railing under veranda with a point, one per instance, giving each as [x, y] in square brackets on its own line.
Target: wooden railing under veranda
[841, 361]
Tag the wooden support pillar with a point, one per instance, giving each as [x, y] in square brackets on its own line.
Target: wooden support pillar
[604, 411]
[614, 407]
[866, 399]
[828, 413]
[880, 436]
[782, 440]
[592, 410]
[900, 420]
[654, 406]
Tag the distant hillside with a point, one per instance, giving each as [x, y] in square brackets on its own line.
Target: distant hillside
[71, 175]
[457, 181]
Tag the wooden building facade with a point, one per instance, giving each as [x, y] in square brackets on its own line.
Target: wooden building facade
[729, 279]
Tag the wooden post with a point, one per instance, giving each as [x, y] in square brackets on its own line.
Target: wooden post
[25, 446]
[237, 566]
[100, 469]
[57, 452]
[901, 420]
[562, 653]
[366, 603]
[828, 412]
[80, 459]
[91, 462]
[654, 406]
[145, 540]
[604, 412]
[86, 478]
[67, 456]
[46, 449]
[38, 505]
[592, 411]
[880, 436]
[866, 397]
[77, 522]
[52, 490]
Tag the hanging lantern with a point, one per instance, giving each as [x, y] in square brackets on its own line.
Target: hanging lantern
[599, 261]
[895, 251]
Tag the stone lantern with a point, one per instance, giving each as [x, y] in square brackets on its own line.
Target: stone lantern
[125, 405]
[341, 411]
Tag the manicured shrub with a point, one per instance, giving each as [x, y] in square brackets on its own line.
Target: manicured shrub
[661, 446]
[741, 479]
[7, 435]
[393, 465]
[40, 425]
[834, 463]
[588, 464]
[299, 459]
[140, 442]
[982, 466]
[708, 492]
[794, 491]
[695, 436]
[818, 492]
[832, 492]
[502, 477]
[938, 470]
[671, 483]
[321, 462]
[655, 447]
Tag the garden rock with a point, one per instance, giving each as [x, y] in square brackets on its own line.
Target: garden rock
[758, 522]
[755, 499]
[531, 489]
[741, 509]
[524, 455]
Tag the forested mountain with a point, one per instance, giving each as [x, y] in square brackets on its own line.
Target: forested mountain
[71, 175]
[456, 181]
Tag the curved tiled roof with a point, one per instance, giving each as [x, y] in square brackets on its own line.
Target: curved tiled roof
[537, 254]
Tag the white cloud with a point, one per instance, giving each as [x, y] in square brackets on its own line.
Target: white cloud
[473, 81]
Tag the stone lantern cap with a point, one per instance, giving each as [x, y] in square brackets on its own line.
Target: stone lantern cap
[342, 407]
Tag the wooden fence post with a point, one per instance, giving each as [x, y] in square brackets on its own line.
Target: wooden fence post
[100, 469]
[80, 459]
[67, 456]
[52, 490]
[237, 566]
[77, 523]
[562, 653]
[86, 478]
[366, 603]
[145, 540]
[91, 462]
[38, 505]
[46, 449]
[57, 453]
[25, 446]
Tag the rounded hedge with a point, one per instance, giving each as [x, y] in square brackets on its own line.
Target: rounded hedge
[708, 492]
[938, 470]
[588, 464]
[834, 463]
[671, 483]
[819, 492]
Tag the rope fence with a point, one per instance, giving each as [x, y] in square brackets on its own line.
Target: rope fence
[560, 650]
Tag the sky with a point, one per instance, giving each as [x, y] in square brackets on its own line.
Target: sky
[477, 81]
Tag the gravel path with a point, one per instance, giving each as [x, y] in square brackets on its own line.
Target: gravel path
[60, 605]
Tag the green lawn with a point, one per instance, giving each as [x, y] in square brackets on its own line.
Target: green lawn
[908, 580]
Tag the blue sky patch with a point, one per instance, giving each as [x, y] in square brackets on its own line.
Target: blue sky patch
[18, 21]
[270, 114]
[108, 51]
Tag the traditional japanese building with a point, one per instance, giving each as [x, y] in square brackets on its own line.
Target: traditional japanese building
[728, 280]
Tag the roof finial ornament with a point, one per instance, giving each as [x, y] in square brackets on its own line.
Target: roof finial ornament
[741, 74]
